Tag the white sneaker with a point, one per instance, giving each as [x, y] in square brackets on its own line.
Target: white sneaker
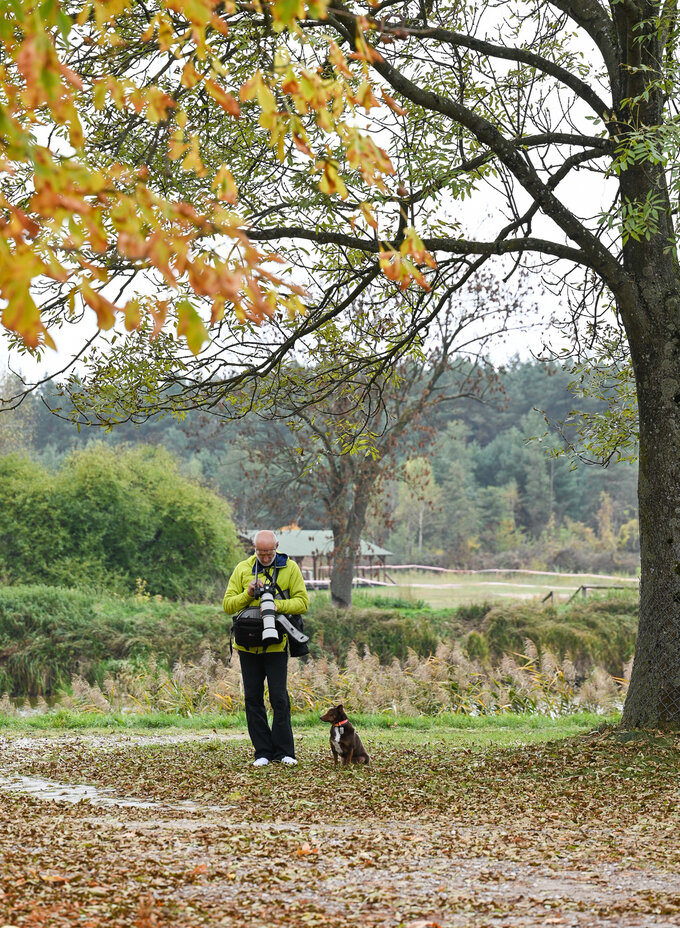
[261, 762]
[290, 761]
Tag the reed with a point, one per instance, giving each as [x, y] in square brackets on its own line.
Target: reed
[447, 683]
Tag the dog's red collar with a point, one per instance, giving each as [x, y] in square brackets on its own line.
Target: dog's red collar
[338, 724]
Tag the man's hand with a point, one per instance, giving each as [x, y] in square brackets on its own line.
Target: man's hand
[251, 587]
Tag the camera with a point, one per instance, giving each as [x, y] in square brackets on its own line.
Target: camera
[263, 590]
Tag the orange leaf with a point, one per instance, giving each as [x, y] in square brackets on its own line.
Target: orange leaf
[305, 849]
[104, 309]
[159, 315]
[70, 76]
[48, 877]
[392, 103]
[132, 246]
[228, 103]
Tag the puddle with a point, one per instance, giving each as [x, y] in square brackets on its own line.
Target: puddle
[45, 789]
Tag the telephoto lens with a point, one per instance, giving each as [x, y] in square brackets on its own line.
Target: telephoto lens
[268, 614]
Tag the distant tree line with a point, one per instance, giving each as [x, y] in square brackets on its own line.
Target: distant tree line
[479, 488]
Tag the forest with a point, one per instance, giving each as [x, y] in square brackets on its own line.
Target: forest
[480, 481]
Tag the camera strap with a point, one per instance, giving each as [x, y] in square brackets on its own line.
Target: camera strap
[271, 580]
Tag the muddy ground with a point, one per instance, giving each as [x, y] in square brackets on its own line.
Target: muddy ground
[182, 832]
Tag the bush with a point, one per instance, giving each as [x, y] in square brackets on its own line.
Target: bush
[31, 534]
[386, 633]
[596, 633]
[111, 517]
[48, 634]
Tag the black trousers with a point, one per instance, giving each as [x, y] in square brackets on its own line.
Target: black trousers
[275, 742]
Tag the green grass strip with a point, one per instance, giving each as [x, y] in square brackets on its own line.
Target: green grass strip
[66, 720]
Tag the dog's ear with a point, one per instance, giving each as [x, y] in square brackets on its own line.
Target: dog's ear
[340, 709]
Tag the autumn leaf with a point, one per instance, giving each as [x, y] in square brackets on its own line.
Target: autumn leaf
[228, 103]
[369, 216]
[224, 185]
[413, 246]
[192, 160]
[104, 309]
[338, 60]
[392, 103]
[331, 182]
[190, 325]
[285, 12]
[132, 314]
[365, 96]
[158, 312]
[50, 877]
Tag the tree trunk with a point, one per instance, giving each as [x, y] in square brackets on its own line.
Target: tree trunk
[347, 527]
[342, 574]
[653, 699]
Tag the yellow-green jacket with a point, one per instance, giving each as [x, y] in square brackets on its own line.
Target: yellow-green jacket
[288, 577]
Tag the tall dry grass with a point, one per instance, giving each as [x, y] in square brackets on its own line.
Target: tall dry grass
[446, 682]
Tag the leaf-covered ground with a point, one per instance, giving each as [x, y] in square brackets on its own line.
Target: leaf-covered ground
[582, 832]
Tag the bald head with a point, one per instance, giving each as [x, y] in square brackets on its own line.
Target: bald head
[265, 544]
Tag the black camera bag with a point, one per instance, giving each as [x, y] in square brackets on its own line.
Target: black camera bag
[297, 648]
[247, 628]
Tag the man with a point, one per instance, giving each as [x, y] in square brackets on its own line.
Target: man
[268, 662]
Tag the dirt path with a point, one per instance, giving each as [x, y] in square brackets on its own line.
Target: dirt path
[182, 832]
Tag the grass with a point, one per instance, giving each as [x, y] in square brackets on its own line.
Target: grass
[439, 590]
[48, 635]
[501, 729]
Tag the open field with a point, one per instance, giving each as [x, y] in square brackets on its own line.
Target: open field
[176, 830]
[456, 589]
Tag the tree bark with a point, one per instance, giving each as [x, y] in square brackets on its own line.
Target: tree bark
[347, 525]
[653, 699]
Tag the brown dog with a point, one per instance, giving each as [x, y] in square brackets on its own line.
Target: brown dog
[345, 742]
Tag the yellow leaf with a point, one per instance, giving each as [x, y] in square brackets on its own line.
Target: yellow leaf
[250, 87]
[133, 315]
[338, 60]
[190, 325]
[176, 146]
[99, 95]
[22, 316]
[190, 76]
[158, 104]
[294, 307]
[331, 182]
[365, 97]
[224, 185]
[166, 34]
[192, 161]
